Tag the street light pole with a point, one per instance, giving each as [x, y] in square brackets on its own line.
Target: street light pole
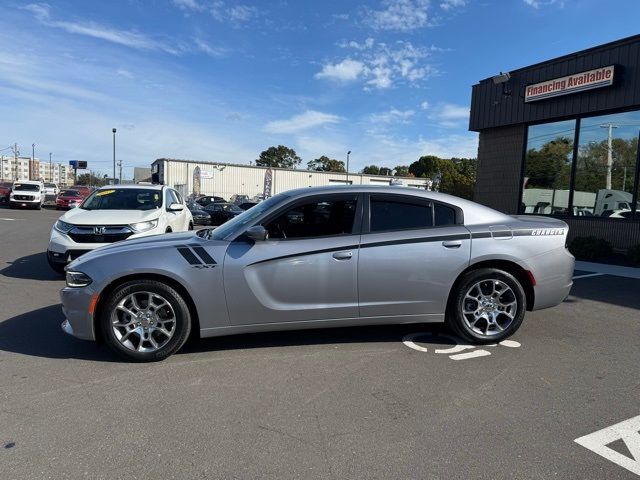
[348, 153]
[114, 155]
[32, 167]
[51, 170]
[610, 127]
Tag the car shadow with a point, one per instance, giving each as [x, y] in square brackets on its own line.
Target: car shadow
[609, 289]
[38, 334]
[31, 267]
[321, 336]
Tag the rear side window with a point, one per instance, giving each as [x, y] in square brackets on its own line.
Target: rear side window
[389, 215]
[444, 215]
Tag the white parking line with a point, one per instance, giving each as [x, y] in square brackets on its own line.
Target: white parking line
[587, 275]
[628, 431]
[9, 219]
[472, 354]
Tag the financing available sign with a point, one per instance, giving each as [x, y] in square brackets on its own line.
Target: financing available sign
[579, 82]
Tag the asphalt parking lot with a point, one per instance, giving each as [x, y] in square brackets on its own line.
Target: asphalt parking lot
[347, 403]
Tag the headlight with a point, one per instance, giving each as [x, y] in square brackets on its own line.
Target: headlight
[144, 226]
[77, 279]
[63, 227]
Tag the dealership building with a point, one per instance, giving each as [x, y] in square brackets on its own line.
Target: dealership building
[560, 138]
[191, 177]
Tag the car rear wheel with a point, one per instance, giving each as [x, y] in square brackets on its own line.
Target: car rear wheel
[487, 306]
[145, 321]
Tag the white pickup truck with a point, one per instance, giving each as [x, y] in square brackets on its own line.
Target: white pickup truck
[27, 193]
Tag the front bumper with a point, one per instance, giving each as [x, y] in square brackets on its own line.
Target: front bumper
[24, 203]
[76, 303]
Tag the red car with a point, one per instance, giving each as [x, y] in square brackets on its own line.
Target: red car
[5, 191]
[69, 199]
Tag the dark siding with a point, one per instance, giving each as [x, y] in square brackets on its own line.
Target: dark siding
[622, 234]
[489, 108]
[499, 164]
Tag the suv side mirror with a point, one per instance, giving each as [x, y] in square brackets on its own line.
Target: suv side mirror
[257, 232]
[175, 207]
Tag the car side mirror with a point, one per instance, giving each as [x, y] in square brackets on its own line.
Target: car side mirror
[257, 232]
[176, 207]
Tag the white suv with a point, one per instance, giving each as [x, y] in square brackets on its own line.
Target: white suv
[27, 193]
[115, 213]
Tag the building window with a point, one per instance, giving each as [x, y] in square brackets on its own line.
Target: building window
[547, 172]
[606, 166]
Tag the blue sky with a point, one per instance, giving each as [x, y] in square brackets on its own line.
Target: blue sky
[221, 80]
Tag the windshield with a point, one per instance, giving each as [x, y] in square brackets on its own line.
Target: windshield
[26, 187]
[123, 199]
[245, 218]
[49, 185]
[69, 193]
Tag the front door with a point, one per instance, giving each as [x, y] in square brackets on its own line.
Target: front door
[305, 271]
[411, 252]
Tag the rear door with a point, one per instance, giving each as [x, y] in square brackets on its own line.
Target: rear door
[306, 271]
[411, 251]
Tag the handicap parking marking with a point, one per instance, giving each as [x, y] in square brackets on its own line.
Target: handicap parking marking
[587, 275]
[627, 431]
[457, 351]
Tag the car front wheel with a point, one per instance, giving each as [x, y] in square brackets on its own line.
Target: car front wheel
[486, 306]
[145, 321]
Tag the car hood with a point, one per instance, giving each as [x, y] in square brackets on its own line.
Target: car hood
[145, 244]
[79, 216]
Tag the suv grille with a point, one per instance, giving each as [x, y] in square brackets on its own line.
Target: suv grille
[23, 197]
[98, 234]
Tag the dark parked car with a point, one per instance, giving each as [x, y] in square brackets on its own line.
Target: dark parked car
[68, 199]
[199, 214]
[5, 191]
[247, 205]
[220, 212]
[207, 199]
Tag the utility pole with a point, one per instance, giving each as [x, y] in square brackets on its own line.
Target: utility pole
[610, 127]
[348, 153]
[16, 152]
[51, 170]
[120, 166]
[114, 155]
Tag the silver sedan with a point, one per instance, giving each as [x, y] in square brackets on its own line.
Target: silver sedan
[322, 257]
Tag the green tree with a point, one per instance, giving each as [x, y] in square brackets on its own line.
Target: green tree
[326, 164]
[371, 170]
[386, 171]
[549, 166]
[279, 157]
[401, 171]
[458, 175]
[91, 178]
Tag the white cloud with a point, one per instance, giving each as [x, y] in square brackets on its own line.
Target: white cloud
[450, 115]
[136, 40]
[297, 123]
[399, 15]
[194, 5]
[124, 73]
[345, 71]
[242, 13]
[379, 64]
[424, 105]
[392, 116]
[204, 47]
[340, 16]
[451, 4]
[544, 3]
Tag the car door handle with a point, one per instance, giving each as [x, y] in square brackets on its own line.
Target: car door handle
[452, 244]
[345, 255]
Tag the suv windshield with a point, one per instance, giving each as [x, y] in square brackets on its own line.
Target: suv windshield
[242, 220]
[26, 187]
[123, 199]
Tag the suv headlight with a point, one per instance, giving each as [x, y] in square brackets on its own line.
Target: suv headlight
[63, 227]
[144, 226]
[77, 279]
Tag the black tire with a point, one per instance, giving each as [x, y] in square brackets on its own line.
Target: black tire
[56, 267]
[456, 320]
[182, 320]
[168, 230]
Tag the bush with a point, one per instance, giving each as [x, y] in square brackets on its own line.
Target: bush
[590, 247]
[633, 254]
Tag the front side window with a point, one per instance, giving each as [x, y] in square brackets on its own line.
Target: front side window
[547, 168]
[398, 214]
[319, 218]
[606, 166]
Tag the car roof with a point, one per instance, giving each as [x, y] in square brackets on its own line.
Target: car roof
[134, 186]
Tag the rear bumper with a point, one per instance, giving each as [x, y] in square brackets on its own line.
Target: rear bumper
[553, 272]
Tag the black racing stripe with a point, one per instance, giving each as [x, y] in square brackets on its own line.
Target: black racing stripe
[523, 233]
[303, 254]
[438, 238]
[189, 256]
[481, 235]
[206, 258]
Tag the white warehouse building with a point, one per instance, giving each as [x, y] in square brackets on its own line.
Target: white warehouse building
[226, 179]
